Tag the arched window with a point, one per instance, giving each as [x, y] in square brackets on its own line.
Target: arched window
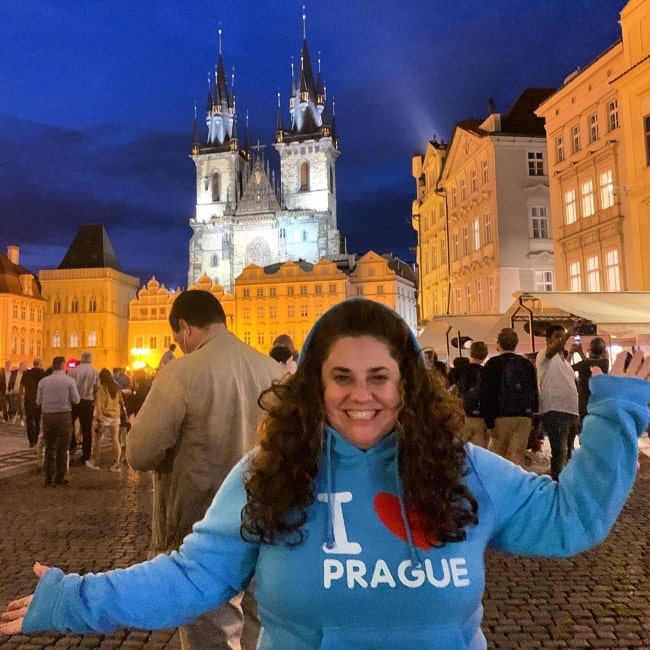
[56, 307]
[92, 339]
[74, 305]
[216, 187]
[74, 340]
[92, 304]
[304, 177]
[56, 339]
[215, 260]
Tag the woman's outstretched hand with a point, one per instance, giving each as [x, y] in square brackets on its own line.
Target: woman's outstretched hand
[638, 366]
[11, 620]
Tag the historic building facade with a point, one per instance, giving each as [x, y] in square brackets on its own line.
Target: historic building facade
[482, 213]
[598, 129]
[244, 213]
[21, 311]
[87, 302]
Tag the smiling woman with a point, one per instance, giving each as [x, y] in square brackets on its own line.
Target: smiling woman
[360, 498]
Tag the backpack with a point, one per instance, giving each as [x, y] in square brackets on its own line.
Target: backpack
[517, 392]
[469, 390]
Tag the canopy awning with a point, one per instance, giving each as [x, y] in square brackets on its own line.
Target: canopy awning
[620, 314]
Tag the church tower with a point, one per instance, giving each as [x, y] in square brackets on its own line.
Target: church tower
[244, 214]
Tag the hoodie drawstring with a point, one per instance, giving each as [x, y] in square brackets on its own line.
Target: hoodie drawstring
[330, 497]
[415, 558]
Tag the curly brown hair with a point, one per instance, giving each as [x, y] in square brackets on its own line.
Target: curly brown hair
[280, 476]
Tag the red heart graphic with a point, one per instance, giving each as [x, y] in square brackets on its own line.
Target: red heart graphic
[388, 510]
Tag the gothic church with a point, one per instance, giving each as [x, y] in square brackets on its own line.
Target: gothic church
[244, 214]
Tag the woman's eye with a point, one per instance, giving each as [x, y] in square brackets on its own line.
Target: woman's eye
[341, 379]
[378, 379]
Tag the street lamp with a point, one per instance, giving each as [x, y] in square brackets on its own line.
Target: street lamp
[139, 352]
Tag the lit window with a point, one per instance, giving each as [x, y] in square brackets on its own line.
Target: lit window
[74, 340]
[92, 305]
[479, 295]
[612, 271]
[575, 279]
[476, 233]
[570, 213]
[593, 274]
[465, 240]
[587, 198]
[92, 339]
[543, 280]
[56, 339]
[606, 186]
[490, 293]
[74, 307]
[539, 225]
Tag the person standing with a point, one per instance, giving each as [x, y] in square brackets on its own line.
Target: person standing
[108, 401]
[56, 395]
[87, 380]
[168, 356]
[32, 410]
[197, 421]
[558, 397]
[509, 398]
[468, 388]
[17, 395]
[598, 358]
[7, 379]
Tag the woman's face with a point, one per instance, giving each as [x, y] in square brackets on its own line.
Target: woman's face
[361, 389]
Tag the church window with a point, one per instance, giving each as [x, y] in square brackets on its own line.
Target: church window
[56, 339]
[216, 187]
[304, 177]
[92, 304]
[92, 339]
[214, 261]
[74, 340]
[74, 307]
[291, 311]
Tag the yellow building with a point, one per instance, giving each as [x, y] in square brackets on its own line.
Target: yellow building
[429, 220]
[482, 212]
[21, 311]
[150, 334]
[87, 299]
[288, 298]
[598, 133]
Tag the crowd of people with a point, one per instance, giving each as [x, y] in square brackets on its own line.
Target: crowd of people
[359, 480]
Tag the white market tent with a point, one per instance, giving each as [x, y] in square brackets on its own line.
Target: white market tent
[621, 317]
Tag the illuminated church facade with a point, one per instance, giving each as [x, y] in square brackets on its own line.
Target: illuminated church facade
[245, 213]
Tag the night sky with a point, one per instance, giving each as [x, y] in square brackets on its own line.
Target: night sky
[97, 104]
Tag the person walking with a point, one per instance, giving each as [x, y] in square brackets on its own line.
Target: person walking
[106, 420]
[56, 395]
[468, 388]
[509, 399]
[362, 516]
[87, 380]
[32, 410]
[7, 378]
[558, 397]
[197, 421]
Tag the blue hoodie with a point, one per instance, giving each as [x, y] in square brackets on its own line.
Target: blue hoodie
[361, 579]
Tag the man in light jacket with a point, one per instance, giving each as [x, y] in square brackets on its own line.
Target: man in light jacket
[198, 420]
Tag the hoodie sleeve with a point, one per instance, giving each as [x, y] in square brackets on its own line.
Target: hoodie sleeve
[534, 515]
[211, 566]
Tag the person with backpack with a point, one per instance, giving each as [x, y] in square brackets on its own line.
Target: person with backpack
[468, 388]
[509, 398]
[558, 392]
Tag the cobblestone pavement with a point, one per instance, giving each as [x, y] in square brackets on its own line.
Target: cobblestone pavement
[600, 599]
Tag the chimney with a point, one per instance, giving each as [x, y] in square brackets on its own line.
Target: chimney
[13, 253]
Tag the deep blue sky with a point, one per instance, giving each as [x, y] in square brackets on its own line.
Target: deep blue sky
[97, 102]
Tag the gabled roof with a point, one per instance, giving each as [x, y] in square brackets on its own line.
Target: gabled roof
[10, 278]
[91, 249]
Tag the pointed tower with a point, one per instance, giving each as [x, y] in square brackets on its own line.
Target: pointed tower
[220, 167]
[308, 152]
